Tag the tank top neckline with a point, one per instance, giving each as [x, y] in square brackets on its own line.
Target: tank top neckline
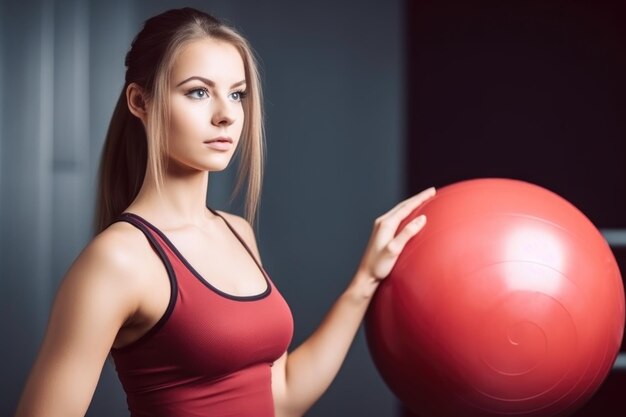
[194, 272]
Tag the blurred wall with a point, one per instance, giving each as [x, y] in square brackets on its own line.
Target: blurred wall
[333, 80]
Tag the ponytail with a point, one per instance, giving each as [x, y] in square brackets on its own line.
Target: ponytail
[123, 164]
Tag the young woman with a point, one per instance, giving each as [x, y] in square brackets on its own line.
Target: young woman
[174, 290]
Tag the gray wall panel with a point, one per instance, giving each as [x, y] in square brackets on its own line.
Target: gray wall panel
[72, 200]
[25, 188]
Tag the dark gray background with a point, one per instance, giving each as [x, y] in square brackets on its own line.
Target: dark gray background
[333, 79]
[366, 101]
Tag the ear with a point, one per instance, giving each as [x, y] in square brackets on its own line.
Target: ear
[135, 98]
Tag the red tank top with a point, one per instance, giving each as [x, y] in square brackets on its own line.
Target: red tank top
[211, 352]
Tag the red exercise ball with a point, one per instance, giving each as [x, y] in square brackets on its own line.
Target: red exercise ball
[508, 302]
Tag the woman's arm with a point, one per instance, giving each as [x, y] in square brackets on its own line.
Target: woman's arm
[93, 302]
[301, 377]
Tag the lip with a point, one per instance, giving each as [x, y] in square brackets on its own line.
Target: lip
[221, 143]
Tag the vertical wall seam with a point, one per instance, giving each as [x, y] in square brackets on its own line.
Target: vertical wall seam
[45, 142]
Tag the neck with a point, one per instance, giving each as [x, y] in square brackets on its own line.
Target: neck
[181, 198]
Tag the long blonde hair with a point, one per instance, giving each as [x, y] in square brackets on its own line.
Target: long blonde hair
[129, 151]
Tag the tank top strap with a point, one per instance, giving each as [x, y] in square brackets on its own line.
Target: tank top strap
[162, 252]
[143, 226]
[243, 242]
[157, 243]
[137, 221]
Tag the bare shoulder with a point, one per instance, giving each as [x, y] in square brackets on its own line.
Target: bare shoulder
[116, 249]
[243, 228]
[97, 297]
[111, 263]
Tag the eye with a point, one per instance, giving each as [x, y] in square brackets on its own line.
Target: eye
[238, 95]
[198, 93]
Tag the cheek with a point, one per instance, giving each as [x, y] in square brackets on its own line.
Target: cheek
[187, 121]
[240, 119]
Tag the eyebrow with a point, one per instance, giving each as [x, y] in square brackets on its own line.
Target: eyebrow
[208, 82]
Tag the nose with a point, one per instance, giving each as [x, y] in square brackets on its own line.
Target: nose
[223, 115]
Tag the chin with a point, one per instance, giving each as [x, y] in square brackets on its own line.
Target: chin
[190, 166]
[216, 166]
[216, 169]
[213, 163]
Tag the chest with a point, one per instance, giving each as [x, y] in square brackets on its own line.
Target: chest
[227, 315]
[219, 259]
[211, 334]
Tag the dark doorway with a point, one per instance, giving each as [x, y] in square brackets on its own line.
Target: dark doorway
[533, 90]
[527, 89]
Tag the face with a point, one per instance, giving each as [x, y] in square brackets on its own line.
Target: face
[207, 86]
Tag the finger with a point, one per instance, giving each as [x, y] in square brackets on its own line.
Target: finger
[403, 209]
[397, 244]
[412, 203]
